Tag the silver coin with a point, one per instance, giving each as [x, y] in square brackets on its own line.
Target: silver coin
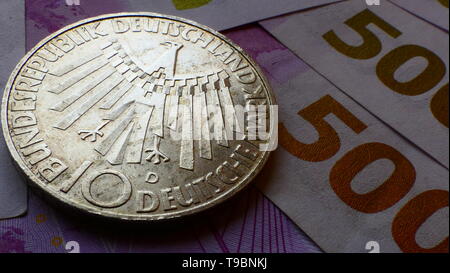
[138, 116]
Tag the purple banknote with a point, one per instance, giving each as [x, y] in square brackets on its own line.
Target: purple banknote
[247, 223]
[50, 15]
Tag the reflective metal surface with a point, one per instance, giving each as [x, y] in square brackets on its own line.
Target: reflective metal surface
[138, 116]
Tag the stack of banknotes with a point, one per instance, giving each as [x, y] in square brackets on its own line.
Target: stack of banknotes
[363, 155]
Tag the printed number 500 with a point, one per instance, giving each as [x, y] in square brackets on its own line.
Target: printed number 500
[392, 61]
[410, 217]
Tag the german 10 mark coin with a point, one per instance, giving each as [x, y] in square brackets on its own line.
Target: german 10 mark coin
[138, 116]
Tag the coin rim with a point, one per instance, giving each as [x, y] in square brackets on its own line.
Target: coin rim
[104, 213]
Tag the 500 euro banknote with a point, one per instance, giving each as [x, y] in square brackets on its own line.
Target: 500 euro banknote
[46, 16]
[434, 11]
[13, 190]
[248, 224]
[345, 177]
[391, 62]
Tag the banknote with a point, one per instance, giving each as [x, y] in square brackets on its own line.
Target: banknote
[46, 16]
[434, 11]
[346, 178]
[249, 223]
[391, 62]
[13, 191]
